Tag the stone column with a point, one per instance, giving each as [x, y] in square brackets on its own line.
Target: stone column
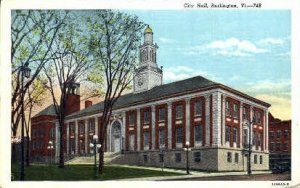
[241, 125]
[138, 125]
[68, 138]
[169, 125]
[76, 137]
[207, 120]
[123, 129]
[216, 110]
[86, 143]
[153, 127]
[187, 118]
[57, 139]
[223, 119]
[266, 131]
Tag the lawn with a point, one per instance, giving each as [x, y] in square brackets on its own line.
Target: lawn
[83, 173]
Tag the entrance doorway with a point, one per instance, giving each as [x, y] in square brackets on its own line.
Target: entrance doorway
[116, 137]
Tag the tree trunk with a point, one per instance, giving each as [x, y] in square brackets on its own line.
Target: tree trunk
[61, 146]
[27, 152]
[14, 148]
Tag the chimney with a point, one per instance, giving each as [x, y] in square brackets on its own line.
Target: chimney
[87, 103]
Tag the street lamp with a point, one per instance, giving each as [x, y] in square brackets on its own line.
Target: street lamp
[94, 145]
[187, 149]
[50, 149]
[162, 153]
[25, 72]
[249, 125]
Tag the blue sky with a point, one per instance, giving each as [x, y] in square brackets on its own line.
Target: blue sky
[247, 50]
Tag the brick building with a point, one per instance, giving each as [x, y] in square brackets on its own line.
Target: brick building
[280, 143]
[157, 116]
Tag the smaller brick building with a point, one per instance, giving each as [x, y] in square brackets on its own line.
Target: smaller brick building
[279, 143]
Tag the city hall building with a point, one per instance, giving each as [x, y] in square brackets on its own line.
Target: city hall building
[154, 122]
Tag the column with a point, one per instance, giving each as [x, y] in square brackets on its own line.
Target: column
[57, 141]
[153, 127]
[266, 131]
[251, 130]
[68, 138]
[216, 121]
[138, 125]
[76, 137]
[187, 118]
[169, 125]
[123, 129]
[86, 143]
[223, 118]
[241, 125]
[207, 120]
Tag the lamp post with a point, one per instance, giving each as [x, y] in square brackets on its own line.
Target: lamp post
[50, 149]
[162, 152]
[25, 72]
[95, 146]
[249, 125]
[187, 149]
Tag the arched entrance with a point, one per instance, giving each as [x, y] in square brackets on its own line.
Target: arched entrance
[116, 137]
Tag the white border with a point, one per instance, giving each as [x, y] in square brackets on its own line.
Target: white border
[5, 80]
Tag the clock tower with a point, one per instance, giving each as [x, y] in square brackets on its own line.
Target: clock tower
[147, 75]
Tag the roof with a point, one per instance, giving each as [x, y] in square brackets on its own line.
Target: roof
[160, 92]
[48, 111]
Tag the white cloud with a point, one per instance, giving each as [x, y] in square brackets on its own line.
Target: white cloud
[271, 41]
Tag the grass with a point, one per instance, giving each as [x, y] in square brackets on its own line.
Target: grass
[83, 173]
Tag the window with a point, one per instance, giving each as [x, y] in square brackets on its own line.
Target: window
[278, 134]
[131, 119]
[227, 136]
[278, 145]
[162, 137]
[146, 139]
[179, 111]
[197, 157]
[72, 128]
[255, 159]
[81, 128]
[260, 159]
[229, 157]
[254, 139]
[286, 133]
[245, 137]
[179, 135]
[245, 113]
[258, 117]
[236, 157]
[198, 133]
[72, 146]
[52, 133]
[145, 158]
[91, 125]
[161, 158]
[235, 135]
[177, 157]
[272, 146]
[272, 135]
[131, 142]
[162, 114]
[198, 108]
[235, 111]
[285, 146]
[146, 117]
[227, 108]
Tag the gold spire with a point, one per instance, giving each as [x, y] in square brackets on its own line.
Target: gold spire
[148, 29]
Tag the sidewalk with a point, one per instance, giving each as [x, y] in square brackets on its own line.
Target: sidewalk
[193, 174]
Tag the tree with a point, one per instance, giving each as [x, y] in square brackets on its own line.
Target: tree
[114, 42]
[31, 30]
[70, 64]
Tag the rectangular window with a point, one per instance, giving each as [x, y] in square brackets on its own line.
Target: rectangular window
[198, 108]
[179, 135]
[227, 136]
[245, 113]
[258, 117]
[72, 146]
[161, 158]
[146, 117]
[179, 111]
[278, 134]
[229, 157]
[235, 135]
[146, 139]
[255, 159]
[227, 108]
[278, 145]
[131, 142]
[271, 134]
[245, 138]
[92, 125]
[236, 157]
[131, 119]
[260, 159]
[198, 133]
[162, 137]
[286, 146]
[177, 157]
[235, 111]
[272, 146]
[145, 158]
[286, 133]
[162, 114]
[72, 128]
[197, 157]
[81, 128]
[52, 133]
